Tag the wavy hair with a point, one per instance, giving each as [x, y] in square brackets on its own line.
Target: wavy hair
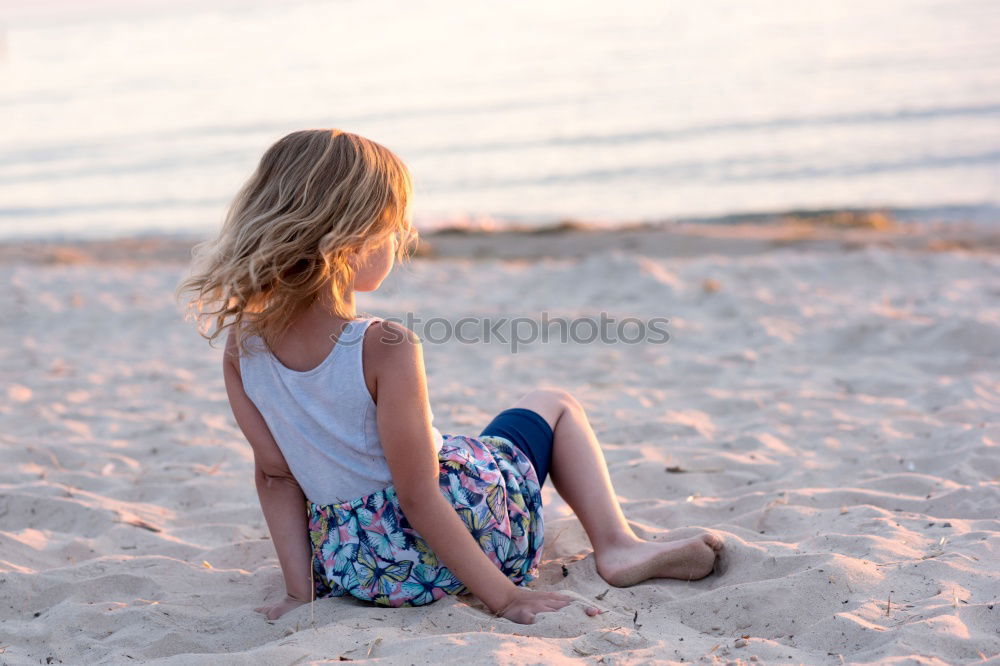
[315, 201]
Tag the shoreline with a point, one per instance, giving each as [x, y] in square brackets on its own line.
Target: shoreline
[730, 235]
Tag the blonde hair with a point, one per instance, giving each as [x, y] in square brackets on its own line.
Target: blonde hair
[316, 200]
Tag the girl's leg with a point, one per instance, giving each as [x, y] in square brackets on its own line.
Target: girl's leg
[580, 475]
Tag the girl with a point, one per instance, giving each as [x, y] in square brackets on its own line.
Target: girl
[361, 493]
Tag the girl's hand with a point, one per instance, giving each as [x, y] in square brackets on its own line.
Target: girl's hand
[526, 603]
[274, 611]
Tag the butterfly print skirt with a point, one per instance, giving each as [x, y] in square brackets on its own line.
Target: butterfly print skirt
[366, 548]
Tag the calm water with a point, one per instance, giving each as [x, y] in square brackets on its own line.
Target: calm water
[147, 117]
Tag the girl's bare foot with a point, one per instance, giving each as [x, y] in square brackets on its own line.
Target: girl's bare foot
[634, 562]
[274, 611]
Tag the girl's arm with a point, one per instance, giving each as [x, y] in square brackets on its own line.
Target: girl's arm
[281, 498]
[404, 427]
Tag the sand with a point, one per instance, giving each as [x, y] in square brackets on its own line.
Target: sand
[827, 403]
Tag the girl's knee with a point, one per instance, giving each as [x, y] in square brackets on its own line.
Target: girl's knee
[552, 399]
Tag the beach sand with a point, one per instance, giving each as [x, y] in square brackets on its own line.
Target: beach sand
[827, 403]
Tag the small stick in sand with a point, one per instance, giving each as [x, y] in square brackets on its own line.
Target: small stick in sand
[312, 597]
[677, 469]
[888, 604]
[141, 523]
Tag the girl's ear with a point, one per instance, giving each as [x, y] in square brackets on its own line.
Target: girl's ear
[356, 259]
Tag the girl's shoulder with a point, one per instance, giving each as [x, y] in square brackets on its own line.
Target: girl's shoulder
[231, 353]
[384, 332]
[388, 348]
[240, 343]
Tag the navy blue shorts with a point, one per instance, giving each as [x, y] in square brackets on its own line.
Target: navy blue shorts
[529, 432]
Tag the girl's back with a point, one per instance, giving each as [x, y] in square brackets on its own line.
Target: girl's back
[323, 417]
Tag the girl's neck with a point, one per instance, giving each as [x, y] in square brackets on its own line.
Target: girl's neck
[324, 304]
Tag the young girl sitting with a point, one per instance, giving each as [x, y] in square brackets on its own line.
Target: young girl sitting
[361, 493]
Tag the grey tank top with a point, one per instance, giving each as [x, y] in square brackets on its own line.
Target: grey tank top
[323, 419]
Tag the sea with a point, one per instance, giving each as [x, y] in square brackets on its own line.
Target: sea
[144, 117]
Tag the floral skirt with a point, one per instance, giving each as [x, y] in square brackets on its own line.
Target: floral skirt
[366, 547]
